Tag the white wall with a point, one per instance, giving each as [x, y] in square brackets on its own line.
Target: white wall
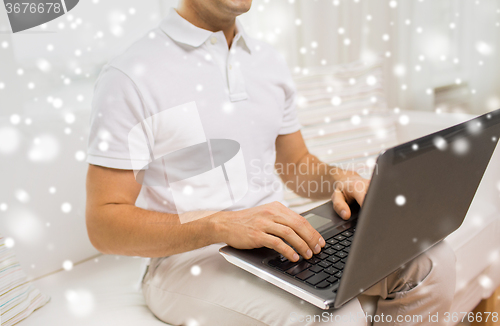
[454, 29]
[294, 27]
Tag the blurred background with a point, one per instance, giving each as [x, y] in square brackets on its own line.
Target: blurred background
[439, 56]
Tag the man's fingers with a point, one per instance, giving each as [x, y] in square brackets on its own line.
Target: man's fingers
[302, 228]
[275, 243]
[359, 191]
[292, 238]
[340, 204]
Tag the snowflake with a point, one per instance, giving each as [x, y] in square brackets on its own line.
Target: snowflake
[80, 302]
[67, 265]
[460, 146]
[336, 101]
[66, 207]
[22, 195]
[355, 119]
[440, 143]
[404, 119]
[69, 118]
[57, 103]
[400, 200]
[195, 270]
[9, 242]
[484, 48]
[371, 80]
[80, 156]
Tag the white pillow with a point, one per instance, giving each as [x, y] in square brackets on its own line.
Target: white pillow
[18, 296]
[345, 117]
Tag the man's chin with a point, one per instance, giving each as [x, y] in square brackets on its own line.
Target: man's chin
[239, 7]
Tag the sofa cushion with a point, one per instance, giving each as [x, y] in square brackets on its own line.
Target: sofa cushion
[344, 116]
[18, 297]
[98, 292]
[477, 247]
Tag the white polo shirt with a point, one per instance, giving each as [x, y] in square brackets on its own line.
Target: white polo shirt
[245, 94]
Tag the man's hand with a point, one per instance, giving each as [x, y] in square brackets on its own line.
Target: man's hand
[267, 226]
[349, 186]
[297, 166]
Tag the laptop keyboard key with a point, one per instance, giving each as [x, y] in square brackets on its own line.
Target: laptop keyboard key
[324, 264]
[331, 241]
[341, 254]
[339, 265]
[323, 285]
[298, 268]
[323, 269]
[346, 243]
[283, 265]
[330, 270]
[347, 234]
[317, 278]
[314, 260]
[304, 275]
[339, 237]
[316, 268]
[338, 247]
[333, 259]
[322, 256]
[330, 251]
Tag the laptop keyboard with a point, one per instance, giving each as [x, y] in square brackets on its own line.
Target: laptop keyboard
[323, 270]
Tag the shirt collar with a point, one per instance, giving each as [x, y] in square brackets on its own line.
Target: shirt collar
[241, 31]
[182, 31]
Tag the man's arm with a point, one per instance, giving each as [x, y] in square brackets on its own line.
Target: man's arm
[116, 226]
[306, 175]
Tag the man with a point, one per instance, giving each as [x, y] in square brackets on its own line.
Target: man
[242, 91]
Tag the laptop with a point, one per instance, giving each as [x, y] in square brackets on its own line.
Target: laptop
[419, 193]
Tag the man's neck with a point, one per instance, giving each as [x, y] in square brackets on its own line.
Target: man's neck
[213, 24]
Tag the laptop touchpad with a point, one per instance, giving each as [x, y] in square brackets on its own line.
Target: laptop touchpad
[317, 221]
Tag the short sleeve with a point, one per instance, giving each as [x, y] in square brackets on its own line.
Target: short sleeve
[290, 122]
[116, 108]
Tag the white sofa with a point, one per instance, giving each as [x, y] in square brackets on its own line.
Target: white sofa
[103, 290]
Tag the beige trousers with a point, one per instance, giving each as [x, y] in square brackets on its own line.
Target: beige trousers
[214, 292]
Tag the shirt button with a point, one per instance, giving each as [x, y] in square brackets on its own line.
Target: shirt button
[230, 67]
[213, 40]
